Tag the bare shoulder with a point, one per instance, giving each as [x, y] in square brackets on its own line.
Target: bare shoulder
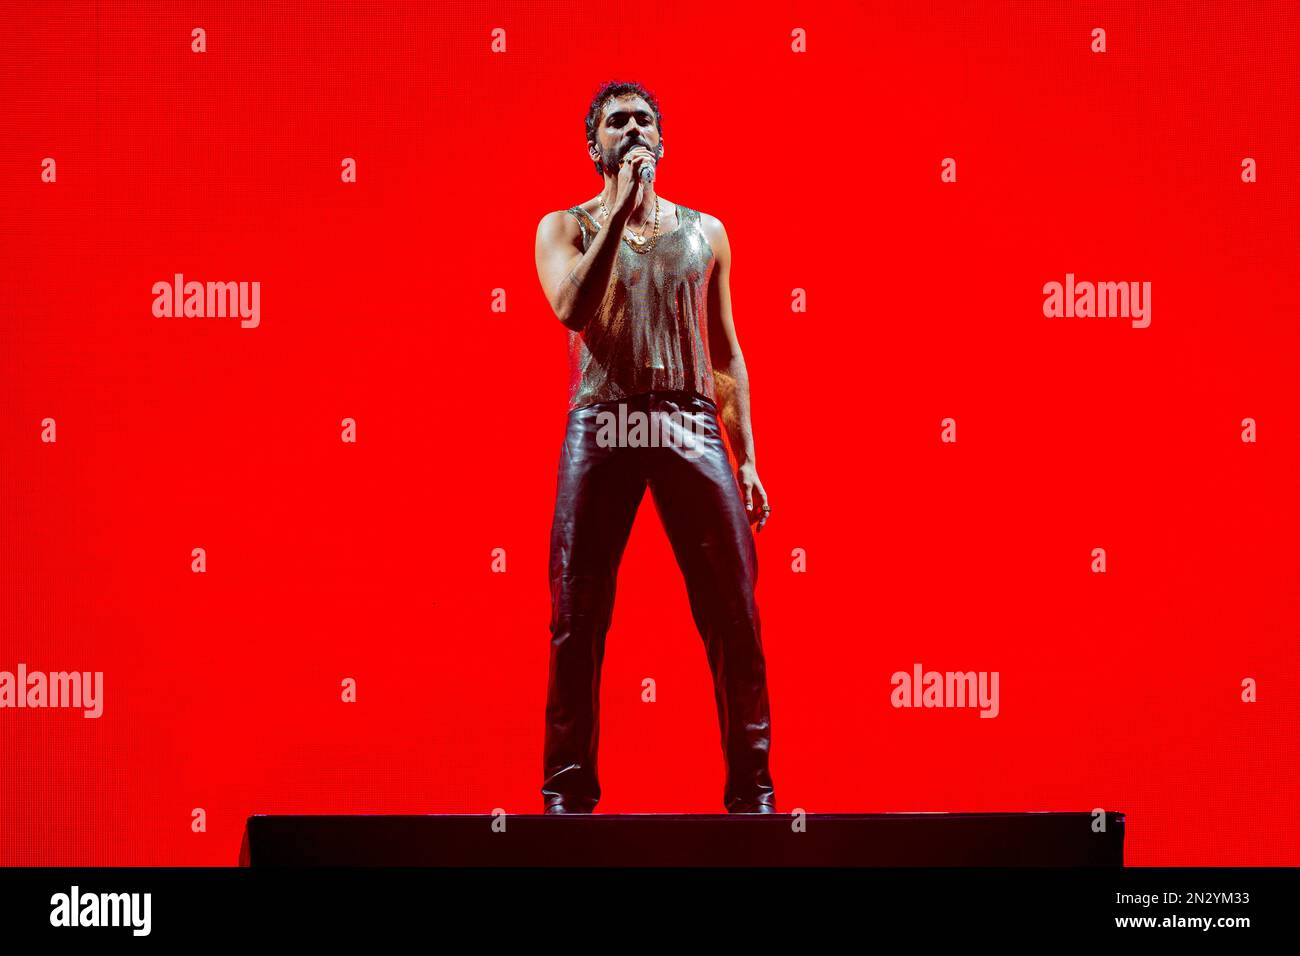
[716, 233]
[558, 226]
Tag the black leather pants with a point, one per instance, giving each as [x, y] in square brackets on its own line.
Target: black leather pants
[600, 485]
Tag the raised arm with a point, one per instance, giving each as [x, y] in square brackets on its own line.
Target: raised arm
[574, 282]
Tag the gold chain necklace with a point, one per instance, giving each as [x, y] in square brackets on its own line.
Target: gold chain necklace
[636, 243]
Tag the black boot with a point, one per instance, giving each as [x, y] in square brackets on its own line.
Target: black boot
[762, 805]
[561, 805]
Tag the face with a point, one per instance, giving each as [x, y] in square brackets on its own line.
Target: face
[625, 123]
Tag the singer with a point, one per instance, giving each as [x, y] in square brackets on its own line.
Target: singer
[641, 285]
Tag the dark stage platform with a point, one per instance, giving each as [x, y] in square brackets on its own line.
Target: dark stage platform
[687, 839]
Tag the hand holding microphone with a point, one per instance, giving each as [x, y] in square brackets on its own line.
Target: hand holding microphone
[636, 169]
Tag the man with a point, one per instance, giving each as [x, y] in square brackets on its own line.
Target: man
[642, 286]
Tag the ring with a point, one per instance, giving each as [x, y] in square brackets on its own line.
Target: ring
[766, 509]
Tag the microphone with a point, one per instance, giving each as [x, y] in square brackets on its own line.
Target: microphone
[648, 172]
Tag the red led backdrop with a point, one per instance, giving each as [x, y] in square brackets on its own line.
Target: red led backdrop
[372, 560]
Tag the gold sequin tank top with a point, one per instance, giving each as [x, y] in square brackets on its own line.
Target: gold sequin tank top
[651, 331]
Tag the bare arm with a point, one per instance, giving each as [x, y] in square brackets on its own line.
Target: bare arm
[574, 281]
[730, 376]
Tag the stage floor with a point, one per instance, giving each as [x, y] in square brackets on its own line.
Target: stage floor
[686, 839]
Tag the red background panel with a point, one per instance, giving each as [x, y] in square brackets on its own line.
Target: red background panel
[372, 560]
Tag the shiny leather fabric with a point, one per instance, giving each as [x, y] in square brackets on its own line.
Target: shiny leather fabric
[602, 478]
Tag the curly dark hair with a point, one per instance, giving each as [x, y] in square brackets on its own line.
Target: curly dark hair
[612, 89]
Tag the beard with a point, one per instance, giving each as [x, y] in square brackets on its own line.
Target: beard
[610, 158]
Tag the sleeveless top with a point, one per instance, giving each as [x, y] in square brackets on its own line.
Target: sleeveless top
[651, 331]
